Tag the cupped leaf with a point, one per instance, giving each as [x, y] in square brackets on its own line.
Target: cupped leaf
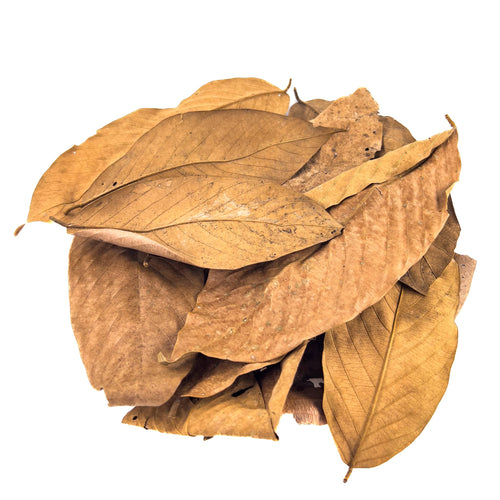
[278, 305]
[75, 170]
[125, 308]
[238, 411]
[383, 169]
[387, 369]
[214, 222]
[359, 139]
[422, 274]
[232, 142]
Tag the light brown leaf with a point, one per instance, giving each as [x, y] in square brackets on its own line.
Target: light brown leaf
[386, 370]
[395, 135]
[466, 266]
[307, 110]
[359, 141]
[236, 142]
[210, 376]
[422, 274]
[124, 310]
[170, 417]
[383, 169]
[238, 411]
[214, 222]
[276, 381]
[343, 111]
[75, 170]
[278, 305]
[305, 399]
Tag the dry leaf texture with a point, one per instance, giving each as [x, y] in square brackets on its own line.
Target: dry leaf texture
[123, 313]
[74, 171]
[466, 266]
[359, 139]
[262, 312]
[214, 222]
[422, 274]
[386, 370]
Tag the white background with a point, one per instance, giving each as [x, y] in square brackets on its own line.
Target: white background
[69, 68]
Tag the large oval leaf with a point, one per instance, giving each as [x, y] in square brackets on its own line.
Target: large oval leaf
[124, 313]
[232, 142]
[76, 169]
[386, 370]
[215, 222]
[277, 306]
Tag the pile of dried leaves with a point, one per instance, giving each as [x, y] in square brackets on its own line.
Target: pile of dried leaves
[235, 260]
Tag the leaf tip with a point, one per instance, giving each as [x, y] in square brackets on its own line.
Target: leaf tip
[18, 229]
[450, 121]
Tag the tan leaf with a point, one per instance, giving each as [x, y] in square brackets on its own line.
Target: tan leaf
[170, 417]
[236, 142]
[214, 222]
[305, 399]
[395, 135]
[359, 141]
[377, 171]
[343, 111]
[124, 309]
[75, 170]
[387, 369]
[210, 376]
[278, 305]
[307, 110]
[422, 274]
[466, 266]
[238, 411]
[276, 382]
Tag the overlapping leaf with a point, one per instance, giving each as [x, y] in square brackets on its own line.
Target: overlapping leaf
[386, 370]
[238, 411]
[262, 312]
[123, 313]
[215, 222]
[359, 139]
[75, 170]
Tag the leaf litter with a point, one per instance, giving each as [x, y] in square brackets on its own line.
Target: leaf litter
[235, 260]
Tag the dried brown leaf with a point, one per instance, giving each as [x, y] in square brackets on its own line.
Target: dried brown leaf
[278, 305]
[276, 382]
[307, 110]
[466, 266]
[236, 142]
[238, 411]
[383, 169]
[124, 310]
[69, 177]
[395, 135]
[214, 222]
[387, 369]
[210, 376]
[359, 141]
[422, 274]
